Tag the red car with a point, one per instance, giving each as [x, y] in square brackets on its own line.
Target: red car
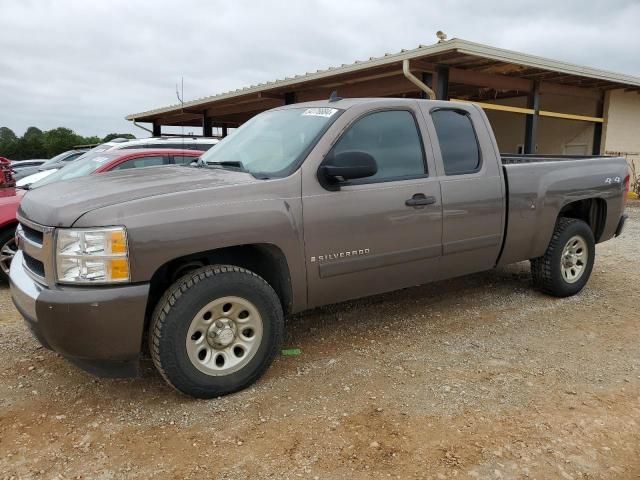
[6, 173]
[98, 162]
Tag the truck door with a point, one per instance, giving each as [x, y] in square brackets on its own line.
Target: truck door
[379, 233]
[472, 188]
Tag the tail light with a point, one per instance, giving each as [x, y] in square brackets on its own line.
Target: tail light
[627, 180]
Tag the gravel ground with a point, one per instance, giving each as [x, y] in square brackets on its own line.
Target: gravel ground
[478, 377]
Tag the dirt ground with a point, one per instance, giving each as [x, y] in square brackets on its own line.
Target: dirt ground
[478, 377]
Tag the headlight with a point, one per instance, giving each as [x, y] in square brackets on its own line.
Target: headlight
[98, 255]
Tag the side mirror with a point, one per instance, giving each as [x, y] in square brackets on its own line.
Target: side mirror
[346, 166]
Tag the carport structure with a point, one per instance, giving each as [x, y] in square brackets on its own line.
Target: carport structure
[535, 104]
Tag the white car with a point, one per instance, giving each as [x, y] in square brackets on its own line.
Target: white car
[183, 143]
[26, 181]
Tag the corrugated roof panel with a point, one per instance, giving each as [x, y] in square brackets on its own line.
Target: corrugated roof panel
[454, 45]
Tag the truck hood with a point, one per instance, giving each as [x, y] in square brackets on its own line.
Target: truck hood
[60, 204]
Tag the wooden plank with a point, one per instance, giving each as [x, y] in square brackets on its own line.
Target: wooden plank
[495, 106]
[531, 111]
[568, 116]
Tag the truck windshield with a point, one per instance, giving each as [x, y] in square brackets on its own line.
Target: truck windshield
[273, 143]
[79, 168]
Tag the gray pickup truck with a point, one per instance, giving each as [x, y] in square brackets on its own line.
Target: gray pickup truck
[304, 205]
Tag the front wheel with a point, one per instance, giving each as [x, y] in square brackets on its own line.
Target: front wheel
[566, 266]
[8, 250]
[215, 331]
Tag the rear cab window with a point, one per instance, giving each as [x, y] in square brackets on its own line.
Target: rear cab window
[458, 142]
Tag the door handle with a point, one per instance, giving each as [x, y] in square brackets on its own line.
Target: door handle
[420, 200]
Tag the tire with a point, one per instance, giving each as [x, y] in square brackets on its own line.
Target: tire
[190, 319]
[553, 272]
[7, 251]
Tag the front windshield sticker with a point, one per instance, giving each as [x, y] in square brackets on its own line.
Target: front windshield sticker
[320, 112]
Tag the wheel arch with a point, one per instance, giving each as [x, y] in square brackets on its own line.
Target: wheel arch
[592, 211]
[265, 259]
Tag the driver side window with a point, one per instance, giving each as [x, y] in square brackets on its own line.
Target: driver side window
[391, 137]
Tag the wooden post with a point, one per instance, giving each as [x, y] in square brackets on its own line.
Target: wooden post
[207, 126]
[531, 123]
[289, 98]
[157, 130]
[442, 83]
[597, 128]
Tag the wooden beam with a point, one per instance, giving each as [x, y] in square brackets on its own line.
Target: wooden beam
[355, 81]
[557, 89]
[256, 104]
[384, 87]
[480, 79]
[271, 95]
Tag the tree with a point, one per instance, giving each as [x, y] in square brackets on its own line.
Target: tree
[7, 136]
[111, 136]
[31, 145]
[8, 142]
[59, 140]
[38, 144]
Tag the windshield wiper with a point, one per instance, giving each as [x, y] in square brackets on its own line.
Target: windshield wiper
[233, 165]
[227, 164]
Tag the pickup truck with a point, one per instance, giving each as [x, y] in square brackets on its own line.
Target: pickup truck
[304, 205]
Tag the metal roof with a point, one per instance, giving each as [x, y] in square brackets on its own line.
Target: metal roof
[457, 53]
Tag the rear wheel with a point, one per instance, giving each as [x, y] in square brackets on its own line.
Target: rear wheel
[8, 249]
[216, 331]
[566, 266]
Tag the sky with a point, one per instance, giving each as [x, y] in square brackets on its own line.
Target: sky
[87, 64]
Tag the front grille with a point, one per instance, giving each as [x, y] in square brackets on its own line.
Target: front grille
[32, 234]
[35, 266]
[36, 243]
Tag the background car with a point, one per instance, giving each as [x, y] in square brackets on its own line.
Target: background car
[182, 143]
[93, 163]
[52, 164]
[200, 144]
[20, 164]
[9, 201]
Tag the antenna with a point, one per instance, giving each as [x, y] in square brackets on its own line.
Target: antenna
[334, 96]
[181, 100]
[180, 95]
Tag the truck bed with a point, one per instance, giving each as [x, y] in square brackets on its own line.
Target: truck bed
[513, 158]
[540, 186]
